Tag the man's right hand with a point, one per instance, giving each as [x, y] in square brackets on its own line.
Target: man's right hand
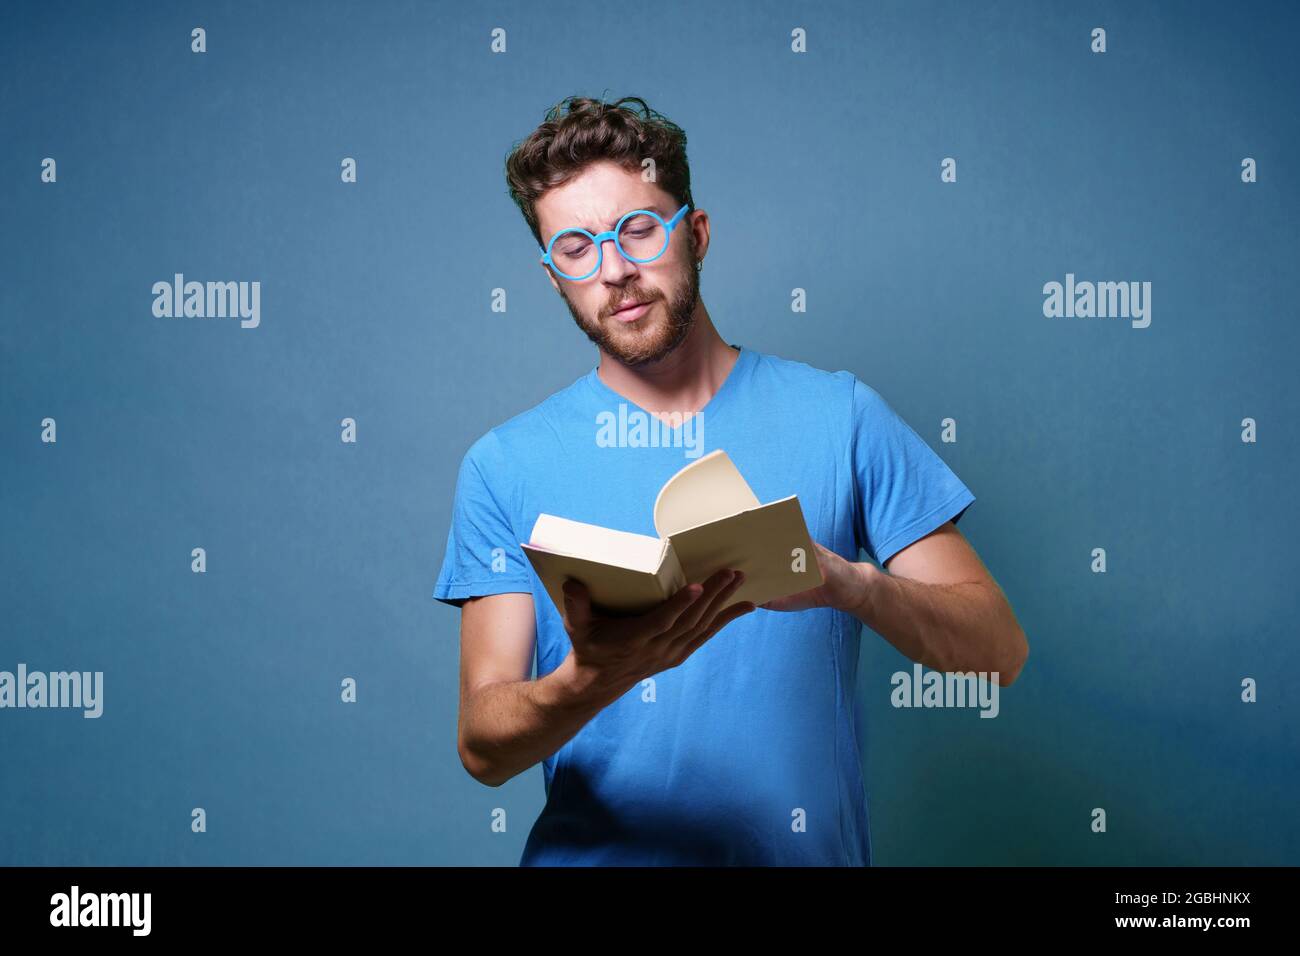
[612, 654]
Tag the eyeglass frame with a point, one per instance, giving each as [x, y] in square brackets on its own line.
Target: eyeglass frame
[601, 238]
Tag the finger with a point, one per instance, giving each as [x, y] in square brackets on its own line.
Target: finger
[824, 556]
[719, 583]
[728, 615]
[718, 602]
[786, 604]
[798, 601]
[690, 637]
[577, 605]
[662, 617]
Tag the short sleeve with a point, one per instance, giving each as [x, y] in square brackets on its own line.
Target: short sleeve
[904, 490]
[483, 554]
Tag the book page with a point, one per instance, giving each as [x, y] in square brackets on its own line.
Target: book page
[623, 549]
[769, 543]
[703, 491]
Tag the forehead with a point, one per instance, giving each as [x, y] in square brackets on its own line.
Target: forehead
[596, 198]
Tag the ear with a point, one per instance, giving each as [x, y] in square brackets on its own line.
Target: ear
[551, 275]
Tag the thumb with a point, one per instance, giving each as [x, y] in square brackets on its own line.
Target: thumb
[577, 604]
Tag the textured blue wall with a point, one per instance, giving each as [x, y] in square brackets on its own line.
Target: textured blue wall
[819, 171]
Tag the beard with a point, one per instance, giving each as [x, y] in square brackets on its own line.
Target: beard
[650, 338]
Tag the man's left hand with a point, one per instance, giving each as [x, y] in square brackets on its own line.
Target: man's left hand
[844, 585]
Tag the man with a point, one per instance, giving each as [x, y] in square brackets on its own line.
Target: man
[664, 738]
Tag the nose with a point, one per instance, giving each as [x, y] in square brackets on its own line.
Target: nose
[613, 266]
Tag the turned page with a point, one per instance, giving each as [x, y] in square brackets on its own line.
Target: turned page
[703, 491]
[713, 520]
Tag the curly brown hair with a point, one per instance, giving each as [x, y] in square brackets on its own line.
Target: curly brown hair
[578, 131]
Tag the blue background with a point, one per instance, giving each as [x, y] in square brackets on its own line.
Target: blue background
[819, 171]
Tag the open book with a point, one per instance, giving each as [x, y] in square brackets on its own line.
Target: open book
[707, 519]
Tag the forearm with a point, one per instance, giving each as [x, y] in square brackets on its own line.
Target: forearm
[509, 726]
[947, 627]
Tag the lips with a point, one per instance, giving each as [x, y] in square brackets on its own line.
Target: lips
[632, 311]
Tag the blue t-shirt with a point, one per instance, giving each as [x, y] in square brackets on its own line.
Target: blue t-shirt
[748, 753]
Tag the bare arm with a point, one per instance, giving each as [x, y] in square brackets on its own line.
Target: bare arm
[508, 721]
[938, 605]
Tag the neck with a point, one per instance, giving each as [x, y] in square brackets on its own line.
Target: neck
[682, 381]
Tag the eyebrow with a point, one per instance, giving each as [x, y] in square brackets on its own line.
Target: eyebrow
[653, 207]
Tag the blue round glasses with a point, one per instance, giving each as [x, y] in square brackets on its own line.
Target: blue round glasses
[640, 236]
